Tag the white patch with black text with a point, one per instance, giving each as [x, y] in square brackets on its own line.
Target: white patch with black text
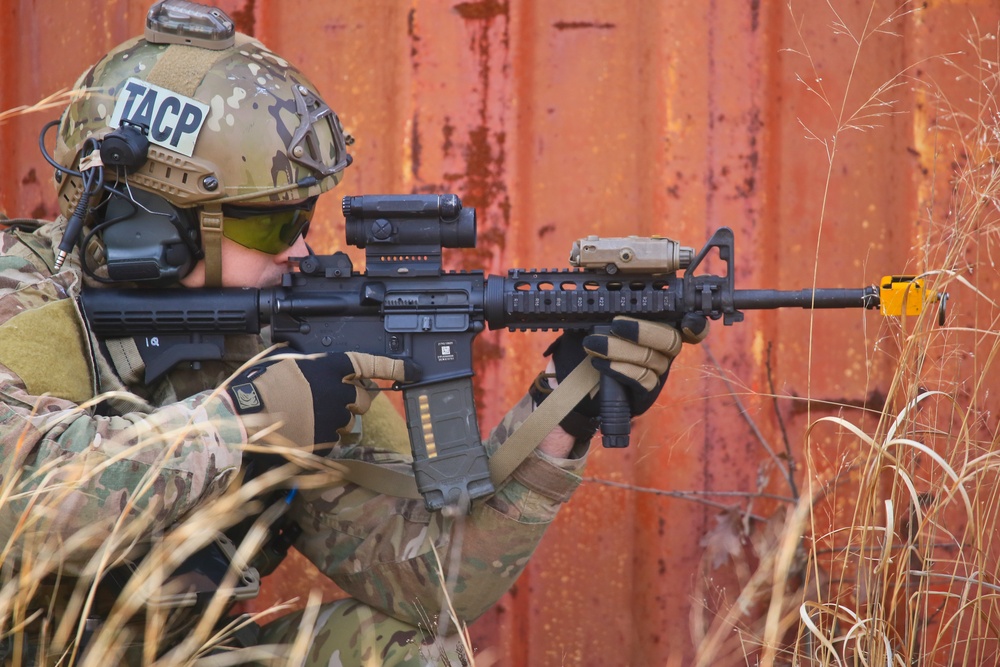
[170, 120]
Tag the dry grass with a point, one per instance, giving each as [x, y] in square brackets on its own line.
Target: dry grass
[891, 557]
[49, 580]
[57, 101]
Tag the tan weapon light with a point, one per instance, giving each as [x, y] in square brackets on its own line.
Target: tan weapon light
[631, 254]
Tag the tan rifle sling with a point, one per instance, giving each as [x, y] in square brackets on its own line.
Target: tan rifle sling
[508, 456]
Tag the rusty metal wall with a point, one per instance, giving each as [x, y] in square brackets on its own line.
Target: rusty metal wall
[564, 118]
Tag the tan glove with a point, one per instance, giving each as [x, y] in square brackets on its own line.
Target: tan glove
[317, 396]
[636, 353]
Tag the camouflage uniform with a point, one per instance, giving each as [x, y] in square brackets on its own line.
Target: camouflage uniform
[161, 451]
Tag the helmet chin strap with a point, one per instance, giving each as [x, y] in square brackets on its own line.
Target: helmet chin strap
[210, 222]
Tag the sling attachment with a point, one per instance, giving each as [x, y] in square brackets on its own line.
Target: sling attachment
[210, 222]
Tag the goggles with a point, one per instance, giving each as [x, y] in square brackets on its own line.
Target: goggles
[270, 229]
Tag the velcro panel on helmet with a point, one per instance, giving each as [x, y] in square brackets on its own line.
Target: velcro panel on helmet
[182, 68]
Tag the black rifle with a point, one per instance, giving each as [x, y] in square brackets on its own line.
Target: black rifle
[405, 305]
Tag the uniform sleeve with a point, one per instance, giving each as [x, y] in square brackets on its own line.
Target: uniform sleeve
[68, 474]
[381, 549]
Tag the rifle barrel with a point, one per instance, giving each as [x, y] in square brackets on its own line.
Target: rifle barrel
[756, 299]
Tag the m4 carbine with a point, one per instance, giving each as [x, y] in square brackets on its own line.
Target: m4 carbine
[405, 305]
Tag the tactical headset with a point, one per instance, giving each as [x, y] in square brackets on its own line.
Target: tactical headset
[145, 237]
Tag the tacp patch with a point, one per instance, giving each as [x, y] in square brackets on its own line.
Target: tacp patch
[171, 120]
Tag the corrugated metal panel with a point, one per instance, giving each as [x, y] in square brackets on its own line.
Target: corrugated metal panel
[567, 118]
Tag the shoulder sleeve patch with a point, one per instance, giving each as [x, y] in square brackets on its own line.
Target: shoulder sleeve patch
[47, 348]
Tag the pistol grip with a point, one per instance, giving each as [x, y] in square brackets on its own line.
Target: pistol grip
[449, 460]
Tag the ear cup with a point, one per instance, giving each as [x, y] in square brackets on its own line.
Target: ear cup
[147, 239]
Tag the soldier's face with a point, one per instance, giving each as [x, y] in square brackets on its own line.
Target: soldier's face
[244, 267]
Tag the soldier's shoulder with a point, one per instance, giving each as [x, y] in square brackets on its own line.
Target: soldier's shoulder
[26, 244]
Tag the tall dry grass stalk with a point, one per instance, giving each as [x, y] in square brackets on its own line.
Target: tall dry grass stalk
[893, 558]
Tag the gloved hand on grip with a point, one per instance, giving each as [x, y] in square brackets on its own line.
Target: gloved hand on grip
[636, 353]
[316, 397]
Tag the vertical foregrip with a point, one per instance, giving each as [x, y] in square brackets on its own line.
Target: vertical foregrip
[616, 415]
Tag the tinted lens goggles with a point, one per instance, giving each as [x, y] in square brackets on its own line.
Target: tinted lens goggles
[271, 229]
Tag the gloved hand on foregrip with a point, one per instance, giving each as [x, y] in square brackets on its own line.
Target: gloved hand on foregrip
[636, 353]
[316, 397]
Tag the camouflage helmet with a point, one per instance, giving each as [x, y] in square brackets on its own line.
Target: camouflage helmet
[227, 119]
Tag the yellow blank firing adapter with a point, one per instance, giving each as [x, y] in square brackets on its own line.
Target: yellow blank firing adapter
[907, 295]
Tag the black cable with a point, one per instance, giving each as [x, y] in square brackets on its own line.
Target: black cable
[45, 152]
[93, 183]
[92, 180]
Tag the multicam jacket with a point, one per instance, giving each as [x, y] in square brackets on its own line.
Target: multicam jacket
[86, 454]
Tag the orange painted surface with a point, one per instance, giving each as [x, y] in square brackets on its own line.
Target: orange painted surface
[560, 119]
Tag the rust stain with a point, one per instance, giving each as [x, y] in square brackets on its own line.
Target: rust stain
[43, 212]
[483, 181]
[746, 189]
[415, 147]
[414, 37]
[485, 185]
[580, 25]
[448, 131]
[484, 10]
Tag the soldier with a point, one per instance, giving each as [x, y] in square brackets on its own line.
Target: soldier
[189, 157]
